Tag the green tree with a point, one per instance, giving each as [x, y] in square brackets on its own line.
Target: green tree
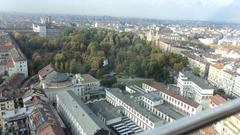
[196, 71]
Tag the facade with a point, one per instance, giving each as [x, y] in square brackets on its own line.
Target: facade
[81, 120]
[236, 87]
[138, 114]
[41, 29]
[185, 105]
[154, 103]
[197, 62]
[194, 87]
[221, 77]
[35, 117]
[227, 126]
[12, 59]
[83, 84]
[5, 105]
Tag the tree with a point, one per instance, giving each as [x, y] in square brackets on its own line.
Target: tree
[196, 71]
[119, 68]
[178, 66]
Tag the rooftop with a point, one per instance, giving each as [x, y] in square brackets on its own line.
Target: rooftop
[82, 114]
[197, 80]
[218, 100]
[170, 111]
[153, 96]
[125, 97]
[161, 87]
[46, 70]
[104, 108]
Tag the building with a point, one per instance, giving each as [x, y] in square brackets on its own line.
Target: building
[196, 61]
[106, 112]
[194, 87]
[236, 87]
[184, 104]
[12, 60]
[80, 119]
[154, 103]
[84, 83]
[221, 77]
[227, 126]
[138, 114]
[35, 117]
[6, 105]
[41, 29]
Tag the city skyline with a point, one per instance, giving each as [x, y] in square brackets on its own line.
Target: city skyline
[202, 10]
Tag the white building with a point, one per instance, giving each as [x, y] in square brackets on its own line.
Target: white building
[194, 87]
[221, 77]
[185, 105]
[236, 87]
[12, 60]
[82, 121]
[84, 83]
[41, 29]
[154, 103]
[138, 114]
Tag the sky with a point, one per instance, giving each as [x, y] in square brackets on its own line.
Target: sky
[206, 10]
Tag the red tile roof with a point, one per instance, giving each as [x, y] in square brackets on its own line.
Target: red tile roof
[218, 100]
[163, 88]
[52, 130]
[218, 65]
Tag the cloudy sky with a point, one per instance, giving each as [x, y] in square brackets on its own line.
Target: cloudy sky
[209, 10]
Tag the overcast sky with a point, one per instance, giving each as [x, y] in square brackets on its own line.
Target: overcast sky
[209, 10]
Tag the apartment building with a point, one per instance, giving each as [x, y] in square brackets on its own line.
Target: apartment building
[194, 87]
[236, 86]
[12, 59]
[197, 62]
[221, 77]
[5, 105]
[227, 126]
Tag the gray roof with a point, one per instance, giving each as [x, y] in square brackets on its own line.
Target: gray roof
[197, 80]
[153, 96]
[125, 97]
[81, 113]
[57, 77]
[170, 110]
[105, 109]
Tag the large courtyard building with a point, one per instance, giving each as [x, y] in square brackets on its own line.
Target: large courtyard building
[80, 118]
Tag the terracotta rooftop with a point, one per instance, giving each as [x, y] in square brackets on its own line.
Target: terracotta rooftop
[218, 100]
[208, 130]
[45, 71]
[9, 62]
[6, 47]
[163, 88]
[52, 130]
[218, 65]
